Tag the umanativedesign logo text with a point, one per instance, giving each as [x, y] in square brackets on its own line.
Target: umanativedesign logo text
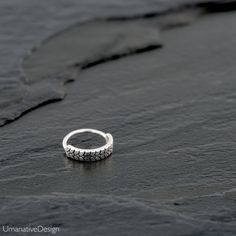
[30, 229]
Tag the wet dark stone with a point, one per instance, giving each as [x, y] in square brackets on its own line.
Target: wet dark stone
[171, 113]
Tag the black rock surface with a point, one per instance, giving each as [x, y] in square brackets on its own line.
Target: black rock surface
[171, 113]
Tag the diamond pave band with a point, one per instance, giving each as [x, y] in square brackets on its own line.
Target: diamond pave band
[96, 154]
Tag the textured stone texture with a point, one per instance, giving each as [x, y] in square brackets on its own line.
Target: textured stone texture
[172, 115]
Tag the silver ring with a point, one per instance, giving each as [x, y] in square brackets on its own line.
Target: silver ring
[96, 154]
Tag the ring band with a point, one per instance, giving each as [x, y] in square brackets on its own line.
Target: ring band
[96, 154]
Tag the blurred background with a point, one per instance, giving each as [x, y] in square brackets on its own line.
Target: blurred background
[159, 75]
